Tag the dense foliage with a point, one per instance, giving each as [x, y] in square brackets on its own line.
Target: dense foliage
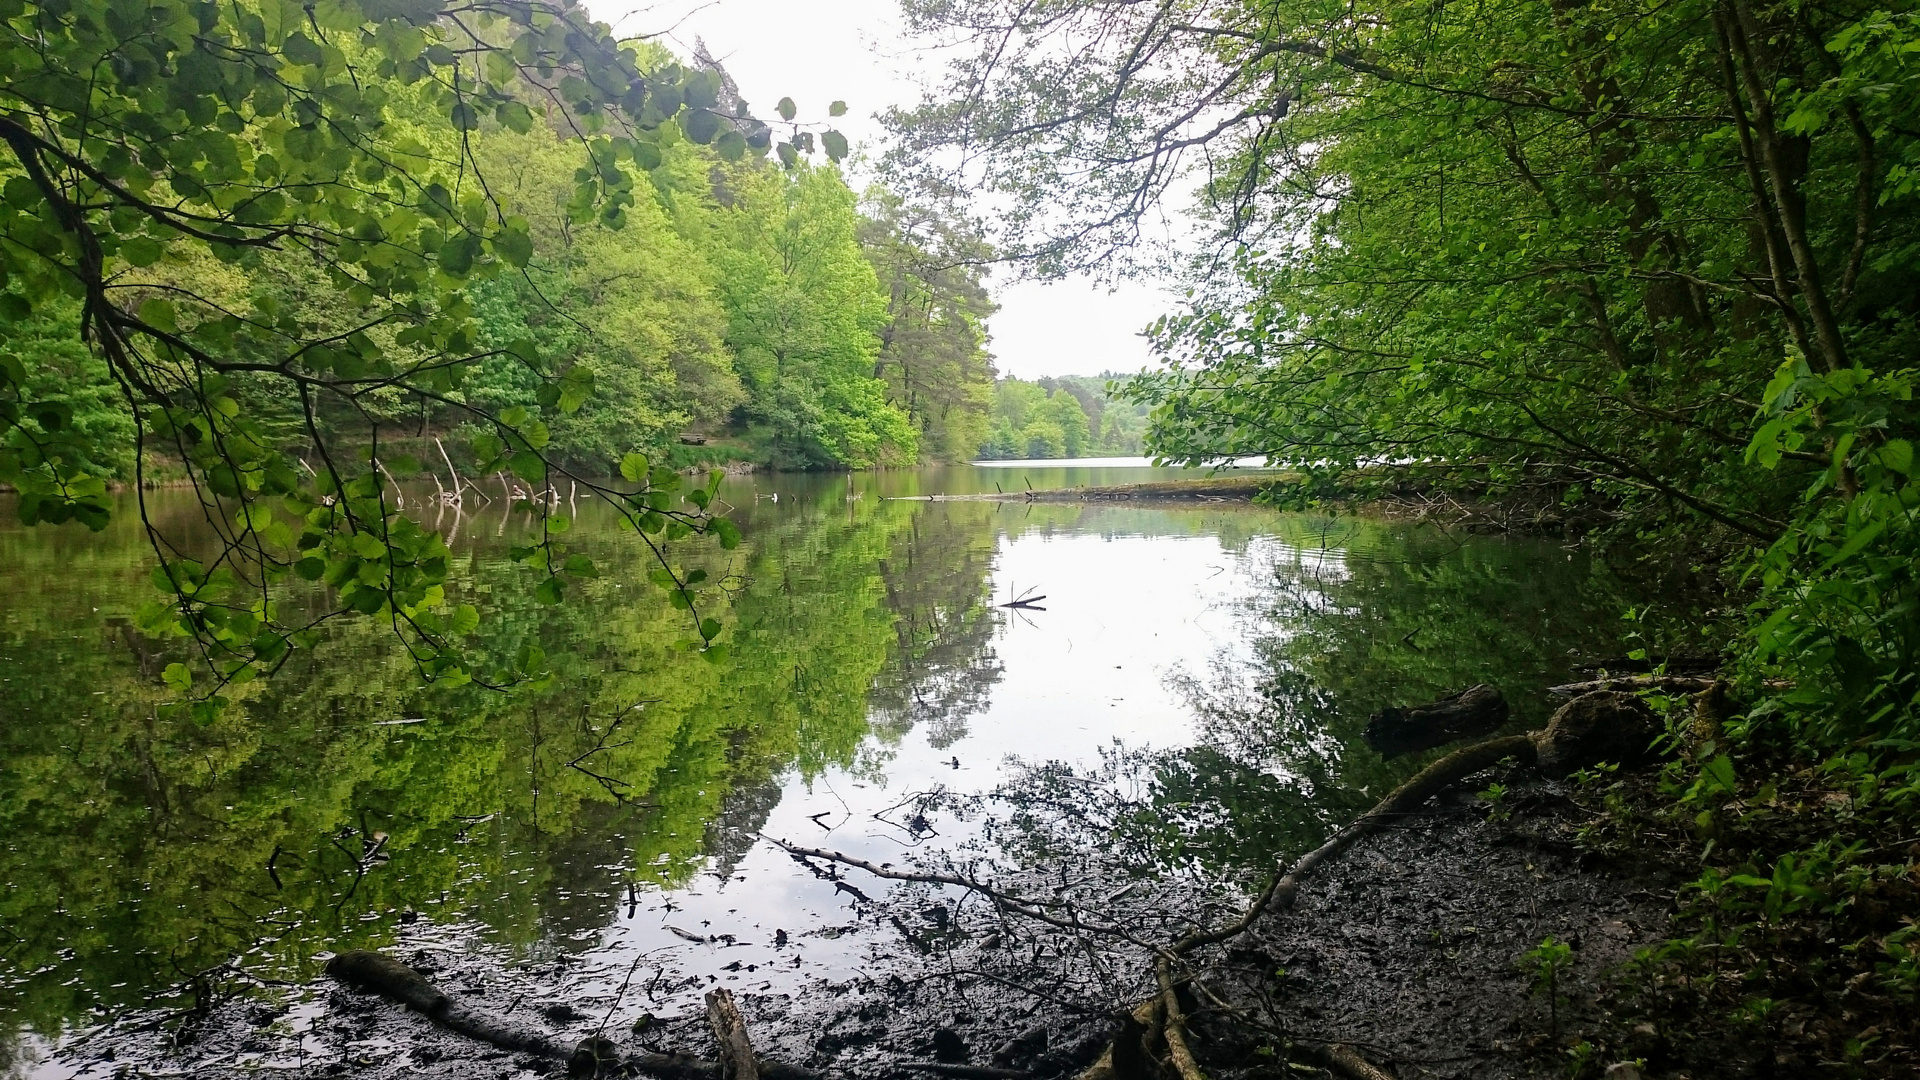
[1659, 261]
[148, 849]
[1662, 257]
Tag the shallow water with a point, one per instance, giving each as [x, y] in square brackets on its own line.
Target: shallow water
[1229, 653]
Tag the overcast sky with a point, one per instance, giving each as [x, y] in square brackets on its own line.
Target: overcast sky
[853, 51]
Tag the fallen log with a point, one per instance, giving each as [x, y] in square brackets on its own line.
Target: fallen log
[395, 981]
[966, 1072]
[1477, 710]
[1687, 684]
[1347, 1061]
[378, 973]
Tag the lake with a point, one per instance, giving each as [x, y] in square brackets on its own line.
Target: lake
[1214, 660]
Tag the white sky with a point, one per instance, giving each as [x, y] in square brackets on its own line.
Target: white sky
[853, 51]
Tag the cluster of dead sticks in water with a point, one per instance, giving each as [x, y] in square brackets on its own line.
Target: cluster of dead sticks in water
[1601, 723]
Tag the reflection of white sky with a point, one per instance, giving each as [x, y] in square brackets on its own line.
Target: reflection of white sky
[1123, 613]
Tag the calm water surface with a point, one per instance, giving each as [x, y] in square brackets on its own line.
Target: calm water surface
[1235, 651]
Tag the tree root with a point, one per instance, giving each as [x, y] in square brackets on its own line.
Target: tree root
[1403, 800]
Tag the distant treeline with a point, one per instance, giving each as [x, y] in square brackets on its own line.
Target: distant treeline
[1068, 416]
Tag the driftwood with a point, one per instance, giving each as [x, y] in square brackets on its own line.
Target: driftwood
[1477, 710]
[379, 973]
[966, 1072]
[730, 1032]
[395, 981]
[1686, 684]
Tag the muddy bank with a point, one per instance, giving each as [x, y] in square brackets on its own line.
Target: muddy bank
[1408, 947]
[1413, 947]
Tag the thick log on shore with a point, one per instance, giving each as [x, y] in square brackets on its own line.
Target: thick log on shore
[381, 974]
[1477, 710]
[395, 981]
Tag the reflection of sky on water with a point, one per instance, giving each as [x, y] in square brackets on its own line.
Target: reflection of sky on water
[1122, 613]
[1241, 638]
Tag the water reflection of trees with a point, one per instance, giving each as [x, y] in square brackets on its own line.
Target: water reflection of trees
[1349, 617]
[942, 668]
[142, 850]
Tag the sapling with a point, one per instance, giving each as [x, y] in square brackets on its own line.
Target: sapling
[1544, 962]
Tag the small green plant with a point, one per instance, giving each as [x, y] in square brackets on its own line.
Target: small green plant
[1495, 795]
[1589, 777]
[1544, 962]
[1901, 971]
[1581, 1055]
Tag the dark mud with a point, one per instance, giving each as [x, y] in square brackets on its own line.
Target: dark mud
[1412, 948]
[1409, 947]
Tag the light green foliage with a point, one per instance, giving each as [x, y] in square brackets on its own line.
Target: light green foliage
[804, 313]
[271, 217]
[1544, 962]
[153, 846]
[78, 424]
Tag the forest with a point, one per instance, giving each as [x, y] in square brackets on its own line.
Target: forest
[763, 310]
[1649, 272]
[1658, 263]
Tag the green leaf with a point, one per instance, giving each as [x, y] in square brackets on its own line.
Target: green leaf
[159, 314]
[1897, 456]
[581, 566]
[178, 677]
[1854, 544]
[466, 619]
[700, 125]
[528, 466]
[141, 251]
[1719, 773]
[633, 468]
[838, 108]
[835, 144]
[787, 109]
[548, 591]
[514, 245]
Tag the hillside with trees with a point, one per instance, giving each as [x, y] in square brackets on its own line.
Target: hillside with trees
[721, 294]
